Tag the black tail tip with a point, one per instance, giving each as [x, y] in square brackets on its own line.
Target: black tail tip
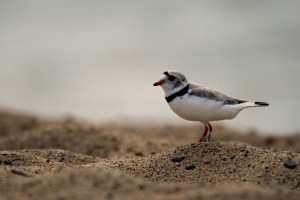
[261, 103]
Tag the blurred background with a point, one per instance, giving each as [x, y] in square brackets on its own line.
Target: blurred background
[97, 60]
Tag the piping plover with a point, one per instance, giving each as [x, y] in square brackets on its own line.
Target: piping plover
[196, 102]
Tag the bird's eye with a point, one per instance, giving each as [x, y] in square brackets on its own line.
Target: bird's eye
[171, 78]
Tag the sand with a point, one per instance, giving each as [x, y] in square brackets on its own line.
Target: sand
[70, 159]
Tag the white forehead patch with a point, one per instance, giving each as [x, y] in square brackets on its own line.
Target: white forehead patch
[163, 77]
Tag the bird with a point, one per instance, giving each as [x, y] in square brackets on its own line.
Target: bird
[195, 102]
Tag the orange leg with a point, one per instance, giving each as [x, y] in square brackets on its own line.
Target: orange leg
[204, 134]
[210, 131]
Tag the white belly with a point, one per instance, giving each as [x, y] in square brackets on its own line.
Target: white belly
[192, 108]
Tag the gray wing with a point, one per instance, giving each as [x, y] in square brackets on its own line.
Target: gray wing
[209, 93]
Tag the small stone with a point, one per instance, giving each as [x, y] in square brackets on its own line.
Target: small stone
[141, 187]
[287, 176]
[290, 164]
[207, 161]
[139, 153]
[177, 159]
[223, 158]
[267, 167]
[189, 167]
[20, 173]
[232, 157]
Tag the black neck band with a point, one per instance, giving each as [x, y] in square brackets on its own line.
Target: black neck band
[180, 93]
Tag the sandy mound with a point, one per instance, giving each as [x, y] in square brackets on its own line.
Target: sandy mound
[75, 160]
[215, 163]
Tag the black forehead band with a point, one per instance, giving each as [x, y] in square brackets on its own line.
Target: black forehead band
[166, 73]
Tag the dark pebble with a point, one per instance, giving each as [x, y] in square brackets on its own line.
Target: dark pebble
[189, 167]
[232, 157]
[290, 164]
[20, 173]
[177, 159]
[141, 187]
[266, 167]
[140, 153]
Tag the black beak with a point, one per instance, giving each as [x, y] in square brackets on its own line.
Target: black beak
[155, 84]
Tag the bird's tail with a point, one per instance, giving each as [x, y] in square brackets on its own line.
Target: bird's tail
[259, 103]
[247, 104]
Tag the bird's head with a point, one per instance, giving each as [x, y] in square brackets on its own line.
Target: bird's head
[171, 81]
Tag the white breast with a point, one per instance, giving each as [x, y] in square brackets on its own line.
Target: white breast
[193, 108]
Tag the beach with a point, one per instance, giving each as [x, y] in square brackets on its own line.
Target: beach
[70, 159]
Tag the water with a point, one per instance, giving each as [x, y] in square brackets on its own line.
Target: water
[97, 60]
